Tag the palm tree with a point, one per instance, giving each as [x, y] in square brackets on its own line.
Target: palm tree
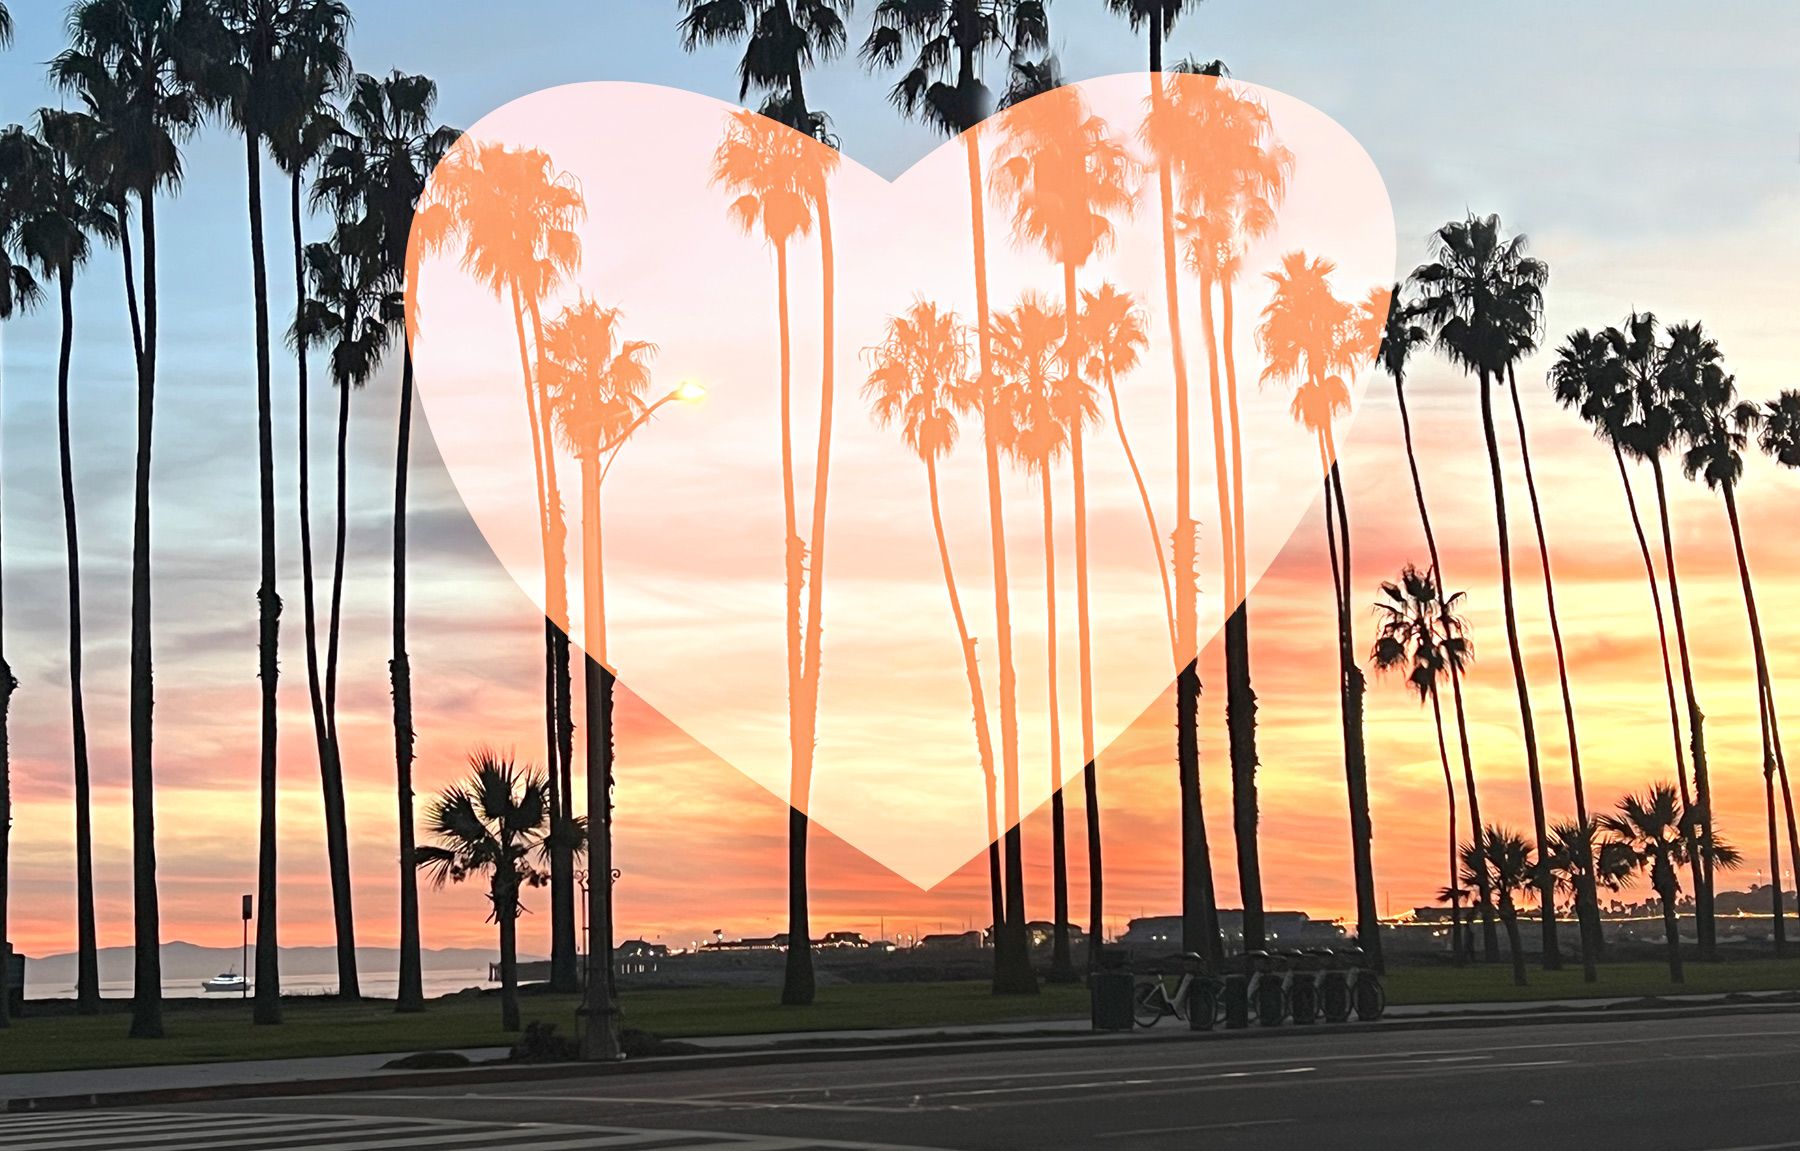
[1779, 436]
[596, 381]
[495, 825]
[517, 217]
[1652, 434]
[65, 209]
[780, 179]
[962, 34]
[1421, 634]
[1471, 295]
[20, 161]
[1066, 177]
[781, 38]
[918, 378]
[1715, 427]
[136, 62]
[1513, 869]
[1582, 863]
[1309, 336]
[1389, 326]
[1655, 831]
[6, 27]
[377, 166]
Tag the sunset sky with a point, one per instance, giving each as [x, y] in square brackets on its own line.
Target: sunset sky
[1650, 159]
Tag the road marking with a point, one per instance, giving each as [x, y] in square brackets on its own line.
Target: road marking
[1195, 1127]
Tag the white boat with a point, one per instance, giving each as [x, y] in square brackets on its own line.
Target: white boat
[226, 982]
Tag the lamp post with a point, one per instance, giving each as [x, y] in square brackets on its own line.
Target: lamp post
[599, 1013]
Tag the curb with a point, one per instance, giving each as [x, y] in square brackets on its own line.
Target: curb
[805, 1051]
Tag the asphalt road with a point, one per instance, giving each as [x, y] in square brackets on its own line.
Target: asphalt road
[1698, 1084]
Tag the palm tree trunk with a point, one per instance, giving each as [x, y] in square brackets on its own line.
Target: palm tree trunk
[1511, 918]
[1698, 857]
[1199, 908]
[1671, 931]
[1013, 974]
[8, 684]
[1156, 541]
[411, 995]
[1456, 927]
[984, 742]
[599, 1014]
[1764, 709]
[268, 601]
[506, 908]
[1490, 942]
[337, 829]
[1240, 697]
[1546, 883]
[1787, 796]
[1084, 655]
[563, 974]
[322, 737]
[87, 948]
[1062, 969]
[1587, 908]
[146, 993]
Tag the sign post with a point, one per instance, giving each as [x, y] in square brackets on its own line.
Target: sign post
[244, 992]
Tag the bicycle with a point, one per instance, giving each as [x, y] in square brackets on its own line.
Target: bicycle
[1268, 990]
[1303, 986]
[1197, 988]
[1366, 990]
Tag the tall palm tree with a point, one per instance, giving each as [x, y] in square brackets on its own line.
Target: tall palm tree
[1308, 335]
[782, 39]
[596, 380]
[494, 825]
[918, 378]
[1641, 354]
[1715, 426]
[1779, 436]
[1470, 295]
[377, 166]
[20, 161]
[1421, 634]
[1655, 831]
[944, 86]
[1513, 869]
[1389, 326]
[781, 179]
[66, 209]
[138, 62]
[517, 217]
[1065, 178]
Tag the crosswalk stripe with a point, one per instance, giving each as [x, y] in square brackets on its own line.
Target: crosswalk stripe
[157, 1138]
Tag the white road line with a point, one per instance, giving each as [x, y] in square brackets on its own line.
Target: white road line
[1195, 1127]
[107, 1135]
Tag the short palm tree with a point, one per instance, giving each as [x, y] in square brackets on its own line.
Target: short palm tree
[1582, 859]
[1421, 634]
[596, 381]
[1715, 427]
[136, 65]
[383, 152]
[1513, 871]
[1308, 336]
[951, 41]
[66, 209]
[1471, 296]
[918, 377]
[495, 826]
[1655, 830]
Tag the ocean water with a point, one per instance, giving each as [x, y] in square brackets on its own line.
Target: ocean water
[375, 985]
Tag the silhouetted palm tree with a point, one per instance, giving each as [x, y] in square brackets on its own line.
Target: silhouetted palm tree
[1779, 436]
[136, 63]
[1656, 829]
[1309, 336]
[943, 86]
[517, 218]
[6, 27]
[1582, 863]
[495, 825]
[1421, 634]
[21, 159]
[1471, 295]
[1065, 178]
[782, 39]
[1640, 354]
[1715, 426]
[377, 167]
[66, 208]
[1513, 868]
[918, 378]
[1389, 326]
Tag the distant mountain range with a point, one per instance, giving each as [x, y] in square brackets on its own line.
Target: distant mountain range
[185, 961]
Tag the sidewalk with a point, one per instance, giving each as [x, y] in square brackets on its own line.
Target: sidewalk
[349, 1072]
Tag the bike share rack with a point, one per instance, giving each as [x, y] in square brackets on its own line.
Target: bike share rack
[1301, 986]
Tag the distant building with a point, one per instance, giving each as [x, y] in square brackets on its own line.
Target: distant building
[638, 956]
[952, 941]
[1156, 933]
[844, 939]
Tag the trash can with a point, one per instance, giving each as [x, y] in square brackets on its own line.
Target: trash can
[1110, 989]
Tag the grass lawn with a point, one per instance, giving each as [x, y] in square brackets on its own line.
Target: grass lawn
[201, 1031]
